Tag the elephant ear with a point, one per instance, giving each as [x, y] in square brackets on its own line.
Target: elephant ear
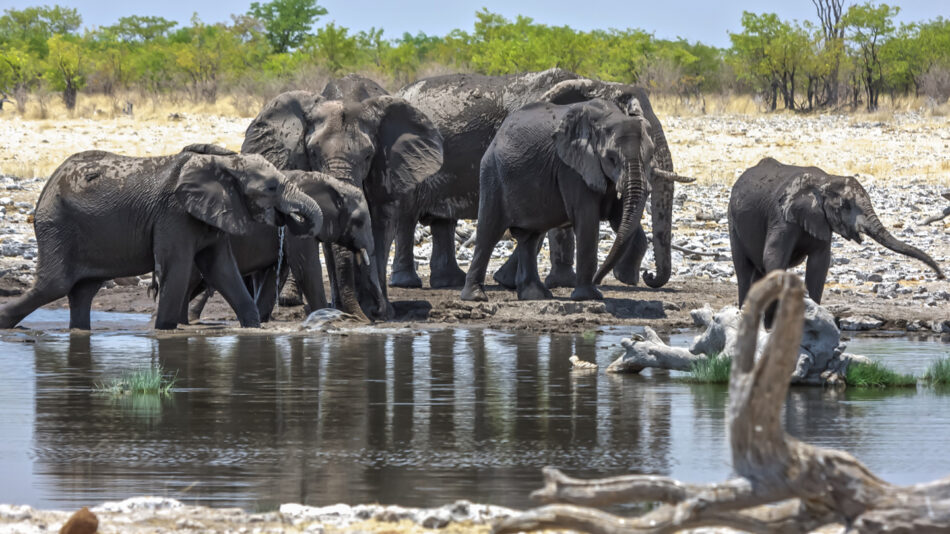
[408, 145]
[279, 131]
[576, 142]
[209, 190]
[803, 204]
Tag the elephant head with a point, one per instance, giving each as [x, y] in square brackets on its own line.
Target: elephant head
[603, 144]
[822, 204]
[382, 145]
[231, 192]
[634, 101]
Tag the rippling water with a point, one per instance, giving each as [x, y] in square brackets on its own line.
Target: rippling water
[414, 419]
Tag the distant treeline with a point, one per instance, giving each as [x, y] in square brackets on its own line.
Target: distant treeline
[848, 57]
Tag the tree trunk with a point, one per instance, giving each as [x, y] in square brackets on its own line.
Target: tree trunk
[783, 485]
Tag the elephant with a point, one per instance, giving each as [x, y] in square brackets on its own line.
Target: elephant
[468, 109]
[550, 166]
[780, 214]
[380, 144]
[103, 216]
[346, 222]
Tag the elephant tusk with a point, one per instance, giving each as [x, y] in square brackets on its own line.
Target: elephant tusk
[364, 255]
[672, 176]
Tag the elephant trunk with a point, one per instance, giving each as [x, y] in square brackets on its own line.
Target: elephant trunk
[873, 227]
[661, 210]
[344, 269]
[302, 214]
[632, 200]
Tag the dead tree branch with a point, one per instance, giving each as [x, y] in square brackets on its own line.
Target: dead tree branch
[784, 485]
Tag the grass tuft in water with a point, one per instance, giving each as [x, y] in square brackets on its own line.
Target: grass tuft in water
[712, 370]
[149, 380]
[938, 374]
[876, 375]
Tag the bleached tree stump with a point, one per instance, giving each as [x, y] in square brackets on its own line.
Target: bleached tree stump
[783, 484]
[941, 215]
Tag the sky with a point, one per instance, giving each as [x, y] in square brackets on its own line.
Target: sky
[707, 21]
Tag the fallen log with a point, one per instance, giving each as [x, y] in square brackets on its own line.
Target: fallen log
[783, 484]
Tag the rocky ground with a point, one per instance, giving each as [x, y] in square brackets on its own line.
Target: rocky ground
[901, 161]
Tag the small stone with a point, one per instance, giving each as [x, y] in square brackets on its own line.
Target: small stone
[874, 277]
[860, 322]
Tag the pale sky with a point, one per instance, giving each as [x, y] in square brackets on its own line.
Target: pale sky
[707, 21]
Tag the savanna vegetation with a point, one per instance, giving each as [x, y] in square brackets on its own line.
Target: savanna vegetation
[848, 57]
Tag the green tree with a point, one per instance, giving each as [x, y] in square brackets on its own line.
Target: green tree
[204, 54]
[65, 66]
[334, 48]
[286, 22]
[869, 27]
[34, 26]
[140, 29]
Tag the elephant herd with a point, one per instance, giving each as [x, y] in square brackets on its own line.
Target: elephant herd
[355, 168]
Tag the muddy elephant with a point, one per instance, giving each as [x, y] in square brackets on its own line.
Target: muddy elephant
[779, 215]
[550, 166]
[381, 144]
[103, 216]
[468, 109]
[346, 223]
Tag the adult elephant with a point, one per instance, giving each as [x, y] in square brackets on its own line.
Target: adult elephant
[781, 214]
[103, 216]
[555, 165]
[381, 144]
[468, 109]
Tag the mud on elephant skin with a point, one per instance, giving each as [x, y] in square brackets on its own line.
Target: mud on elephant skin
[780, 214]
[103, 216]
[468, 109]
[346, 222]
[382, 145]
[550, 166]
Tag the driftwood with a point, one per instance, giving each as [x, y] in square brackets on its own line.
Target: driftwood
[783, 484]
[941, 215]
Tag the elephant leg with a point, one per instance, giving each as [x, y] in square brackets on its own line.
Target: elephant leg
[201, 295]
[384, 232]
[487, 234]
[218, 267]
[627, 270]
[44, 291]
[264, 291]
[528, 282]
[587, 230]
[404, 263]
[506, 274]
[745, 269]
[80, 303]
[816, 272]
[561, 245]
[444, 270]
[290, 293]
[306, 268]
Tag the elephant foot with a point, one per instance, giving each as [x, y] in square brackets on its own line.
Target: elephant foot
[405, 278]
[290, 295]
[474, 293]
[534, 291]
[586, 293]
[454, 278]
[560, 276]
[166, 325]
[505, 275]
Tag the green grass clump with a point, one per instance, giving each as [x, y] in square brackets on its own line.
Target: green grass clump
[713, 370]
[938, 374]
[876, 375]
[149, 380]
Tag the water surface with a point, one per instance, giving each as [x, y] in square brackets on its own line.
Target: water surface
[397, 418]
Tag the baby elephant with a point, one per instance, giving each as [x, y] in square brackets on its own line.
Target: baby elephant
[104, 216]
[346, 222]
[780, 214]
[552, 166]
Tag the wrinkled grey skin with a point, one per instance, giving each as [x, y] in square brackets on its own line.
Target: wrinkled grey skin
[346, 222]
[779, 215]
[551, 166]
[381, 144]
[103, 216]
[468, 109]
